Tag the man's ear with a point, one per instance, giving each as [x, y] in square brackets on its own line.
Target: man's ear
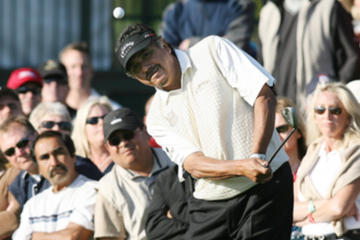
[166, 45]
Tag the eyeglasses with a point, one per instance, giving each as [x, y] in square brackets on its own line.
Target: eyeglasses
[20, 145]
[126, 135]
[66, 126]
[25, 89]
[94, 120]
[282, 128]
[333, 110]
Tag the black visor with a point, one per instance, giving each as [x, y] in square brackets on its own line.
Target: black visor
[132, 45]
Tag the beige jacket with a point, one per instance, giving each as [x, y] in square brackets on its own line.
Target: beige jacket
[349, 172]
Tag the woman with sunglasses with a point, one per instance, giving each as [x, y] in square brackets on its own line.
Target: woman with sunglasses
[88, 134]
[295, 147]
[51, 116]
[327, 187]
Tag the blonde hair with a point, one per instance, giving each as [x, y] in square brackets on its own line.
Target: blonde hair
[283, 102]
[352, 130]
[48, 109]
[79, 137]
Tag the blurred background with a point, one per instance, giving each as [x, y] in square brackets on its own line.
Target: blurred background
[32, 32]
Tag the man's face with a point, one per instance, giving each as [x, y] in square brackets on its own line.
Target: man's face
[9, 106]
[78, 68]
[30, 96]
[156, 67]
[54, 161]
[15, 144]
[131, 150]
[54, 91]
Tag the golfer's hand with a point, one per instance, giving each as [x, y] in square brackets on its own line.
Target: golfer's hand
[255, 171]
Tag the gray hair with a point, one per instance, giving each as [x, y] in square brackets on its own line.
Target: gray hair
[48, 109]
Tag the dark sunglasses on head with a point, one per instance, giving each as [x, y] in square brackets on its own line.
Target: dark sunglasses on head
[333, 110]
[94, 120]
[66, 126]
[21, 144]
[24, 89]
[126, 135]
[282, 128]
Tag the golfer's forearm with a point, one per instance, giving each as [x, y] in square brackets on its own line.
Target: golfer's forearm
[200, 166]
[264, 114]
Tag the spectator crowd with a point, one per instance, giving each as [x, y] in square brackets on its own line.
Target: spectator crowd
[78, 165]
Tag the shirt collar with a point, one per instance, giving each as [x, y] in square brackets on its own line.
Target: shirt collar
[185, 63]
[158, 165]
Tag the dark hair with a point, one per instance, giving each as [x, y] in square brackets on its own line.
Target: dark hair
[65, 138]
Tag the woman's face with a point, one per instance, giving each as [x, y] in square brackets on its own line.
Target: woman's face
[94, 131]
[283, 129]
[331, 121]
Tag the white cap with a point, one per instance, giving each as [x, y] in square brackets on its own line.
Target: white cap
[354, 87]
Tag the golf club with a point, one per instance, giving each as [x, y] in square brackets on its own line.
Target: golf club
[291, 118]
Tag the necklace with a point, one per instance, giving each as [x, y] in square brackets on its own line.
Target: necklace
[103, 164]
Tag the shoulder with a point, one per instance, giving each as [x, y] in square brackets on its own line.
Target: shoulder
[314, 147]
[84, 181]
[9, 176]
[163, 157]
[40, 199]
[168, 176]
[110, 180]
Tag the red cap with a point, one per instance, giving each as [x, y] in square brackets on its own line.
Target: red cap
[23, 75]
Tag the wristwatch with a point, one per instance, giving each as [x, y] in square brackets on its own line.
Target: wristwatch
[258, 155]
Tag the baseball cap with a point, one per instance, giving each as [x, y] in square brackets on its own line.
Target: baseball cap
[121, 119]
[321, 78]
[354, 87]
[132, 45]
[23, 75]
[53, 68]
[4, 91]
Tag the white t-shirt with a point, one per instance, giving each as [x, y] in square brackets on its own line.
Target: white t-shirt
[322, 175]
[240, 70]
[51, 212]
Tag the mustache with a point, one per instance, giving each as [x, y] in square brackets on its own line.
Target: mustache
[58, 167]
[151, 71]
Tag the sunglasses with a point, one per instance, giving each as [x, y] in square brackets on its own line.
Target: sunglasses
[126, 135]
[24, 89]
[20, 145]
[333, 110]
[282, 128]
[65, 126]
[94, 120]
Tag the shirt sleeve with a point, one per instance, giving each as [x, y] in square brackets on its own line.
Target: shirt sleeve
[241, 71]
[9, 219]
[108, 220]
[84, 213]
[24, 232]
[177, 147]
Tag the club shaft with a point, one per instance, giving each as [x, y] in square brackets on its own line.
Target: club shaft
[266, 165]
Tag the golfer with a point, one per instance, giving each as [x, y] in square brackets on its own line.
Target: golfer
[213, 113]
